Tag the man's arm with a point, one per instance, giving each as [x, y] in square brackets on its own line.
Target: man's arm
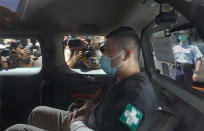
[5, 64]
[90, 103]
[77, 55]
[198, 64]
[90, 65]
[67, 54]
[76, 114]
[197, 68]
[197, 55]
[79, 126]
[70, 61]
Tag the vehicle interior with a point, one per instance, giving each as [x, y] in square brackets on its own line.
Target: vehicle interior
[54, 84]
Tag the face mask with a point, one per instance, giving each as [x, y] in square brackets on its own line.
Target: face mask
[182, 38]
[105, 63]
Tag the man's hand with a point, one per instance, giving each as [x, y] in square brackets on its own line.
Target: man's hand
[83, 41]
[195, 77]
[90, 65]
[16, 55]
[77, 114]
[78, 55]
[24, 51]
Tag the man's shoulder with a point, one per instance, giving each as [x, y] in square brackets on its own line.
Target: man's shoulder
[137, 80]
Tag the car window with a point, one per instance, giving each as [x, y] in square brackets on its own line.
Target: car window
[82, 53]
[19, 56]
[179, 56]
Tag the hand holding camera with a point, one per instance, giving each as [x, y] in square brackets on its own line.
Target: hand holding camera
[78, 55]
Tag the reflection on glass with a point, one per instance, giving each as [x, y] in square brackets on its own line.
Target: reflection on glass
[188, 51]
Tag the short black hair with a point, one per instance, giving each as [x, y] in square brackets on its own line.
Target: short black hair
[120, 30]
[126, 38]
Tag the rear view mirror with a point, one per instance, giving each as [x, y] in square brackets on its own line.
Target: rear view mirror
[167, 33]
[166, 17]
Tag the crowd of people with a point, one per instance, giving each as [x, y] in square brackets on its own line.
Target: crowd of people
[19, 53]
[85, 56]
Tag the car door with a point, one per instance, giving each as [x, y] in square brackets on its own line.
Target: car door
[180, 106]
[20, 83]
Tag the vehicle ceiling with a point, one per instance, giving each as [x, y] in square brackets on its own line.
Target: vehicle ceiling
[86, 16]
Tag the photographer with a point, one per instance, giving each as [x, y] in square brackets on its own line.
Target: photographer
[3, 59]
[73, 55]
[37, 56]
[93, 61]
[19, 56]
[26, 59]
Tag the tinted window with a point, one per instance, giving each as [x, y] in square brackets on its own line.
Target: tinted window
[82, 53]
[20, 55]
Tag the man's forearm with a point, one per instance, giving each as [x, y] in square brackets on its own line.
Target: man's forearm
[198, 65]
[90, 103]
[79, 126]
[71, 62]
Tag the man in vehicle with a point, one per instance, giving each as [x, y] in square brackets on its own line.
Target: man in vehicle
[126, 103]
[185, 54]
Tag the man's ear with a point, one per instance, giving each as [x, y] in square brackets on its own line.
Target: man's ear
[128, 53]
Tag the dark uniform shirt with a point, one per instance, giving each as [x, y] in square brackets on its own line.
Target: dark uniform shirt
[135, 90]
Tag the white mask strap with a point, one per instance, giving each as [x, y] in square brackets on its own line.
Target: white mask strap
[117, 55]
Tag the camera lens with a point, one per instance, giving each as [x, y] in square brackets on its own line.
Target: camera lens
[87, 54]
[102, 49]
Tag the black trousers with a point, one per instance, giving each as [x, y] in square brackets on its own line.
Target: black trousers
[183, 73]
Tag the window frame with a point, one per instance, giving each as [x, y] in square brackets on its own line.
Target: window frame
[22, 71]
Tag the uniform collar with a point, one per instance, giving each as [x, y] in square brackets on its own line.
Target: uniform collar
[187, 42]
[135, 76]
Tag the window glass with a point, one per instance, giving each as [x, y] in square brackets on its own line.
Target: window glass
[179, 56]
[20, 56]
[82, 53]
[178, 50]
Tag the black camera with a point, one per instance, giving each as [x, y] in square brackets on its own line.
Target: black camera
[87, 52]
[5, 52]
[77, 44]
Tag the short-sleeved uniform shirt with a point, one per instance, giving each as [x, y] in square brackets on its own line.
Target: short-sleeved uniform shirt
[136, 91]
[186, 53]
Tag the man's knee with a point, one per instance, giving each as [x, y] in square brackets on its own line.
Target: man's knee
[17, 127]
[37, 113]
[39, 110]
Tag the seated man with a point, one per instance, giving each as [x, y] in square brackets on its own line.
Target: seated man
[126, 103]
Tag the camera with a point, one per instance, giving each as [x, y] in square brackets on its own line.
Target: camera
[5, 52]
[76, 44]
